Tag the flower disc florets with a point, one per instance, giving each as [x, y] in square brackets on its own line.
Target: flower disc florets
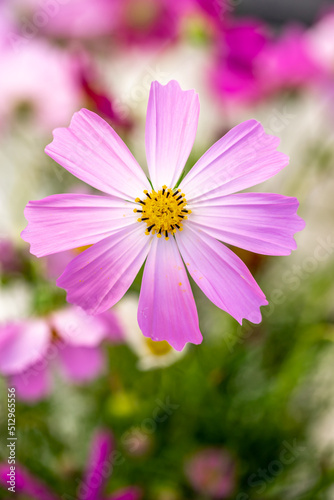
[163, 211]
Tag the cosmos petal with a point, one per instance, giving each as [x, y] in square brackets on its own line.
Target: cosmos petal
[167, 309]
[26, 484]
[258, 222]
[100, 459]
[81, 364]
[66, 221]
[34, 383]
[221, 275]
[77, 328]
[171, 125]
[114, 331]
[99, 277]
[92, 151]
[244, 157]
[22, 344]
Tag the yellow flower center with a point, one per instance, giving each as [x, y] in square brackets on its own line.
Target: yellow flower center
[158, 348]
[163, 211]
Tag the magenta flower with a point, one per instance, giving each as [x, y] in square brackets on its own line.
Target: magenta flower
[99, 468]
[30, 348]
[211, 472]
[166, 224]
[288, 62]
[237, 74]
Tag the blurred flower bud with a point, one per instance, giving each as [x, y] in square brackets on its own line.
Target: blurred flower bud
[211, 472]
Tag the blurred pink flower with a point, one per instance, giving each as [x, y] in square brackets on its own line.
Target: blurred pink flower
[130, 21]
[251, 64]
[211, 472]
[99, 468]
[237, 75]
[24, 483]
[320, 42]
[39, 81]
[288, 62]
[68, 336]
[7, 25]
[218, 10]
[68, 18]
[95, 92]
[150, 21]
[187, 220]
[9, 257]
[55, 264]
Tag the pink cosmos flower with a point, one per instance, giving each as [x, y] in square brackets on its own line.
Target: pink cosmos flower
[169, 225]
[29, 348]
[211, 472]
[99, 468]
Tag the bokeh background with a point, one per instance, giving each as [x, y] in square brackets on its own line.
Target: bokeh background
[249, 414]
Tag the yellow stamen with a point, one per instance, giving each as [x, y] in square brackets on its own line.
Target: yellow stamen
[163, 211]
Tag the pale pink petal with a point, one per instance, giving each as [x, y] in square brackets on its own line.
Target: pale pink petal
[130, 493]
[171, 124]
[167, 309]
[92, 151]
[22, 344]
[114, 330]
[81, 364]
[66, 221]
[99, 463]
[244, 157]
[32, 384]
[258, 222]
[221, 275]
[75, 327]
[25, 483]
[99, 277]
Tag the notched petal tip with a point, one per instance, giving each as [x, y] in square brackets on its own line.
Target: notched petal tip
[175, 84]
[255, 316]
[58, 130]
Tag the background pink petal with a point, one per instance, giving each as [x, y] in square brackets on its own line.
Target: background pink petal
[75, 327]
[26, 484]
[100, 276]
[258, 222]
[113, 328]
[34, 383]
[221, 275]
[22, 344]
[171, 125]
[66, 221]
[244, 157]
[92, 151]
[81, 364]
[99, 461]
[167, 309]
